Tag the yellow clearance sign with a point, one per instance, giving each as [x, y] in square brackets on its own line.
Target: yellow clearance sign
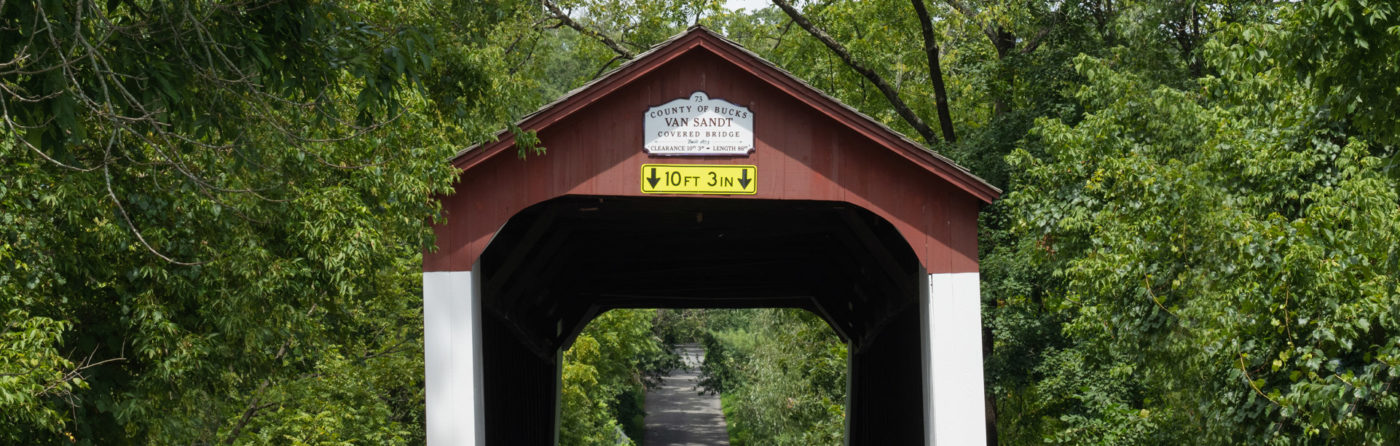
[713, 179]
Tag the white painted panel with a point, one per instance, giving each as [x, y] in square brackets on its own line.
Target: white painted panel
[452, 350]
[954, 409]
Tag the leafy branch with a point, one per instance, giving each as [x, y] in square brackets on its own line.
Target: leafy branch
[845, 55]
[564, 19]
[173, 87]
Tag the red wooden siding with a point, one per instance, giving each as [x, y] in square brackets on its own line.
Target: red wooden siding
[804, 152]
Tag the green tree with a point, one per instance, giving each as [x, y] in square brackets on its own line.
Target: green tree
[1216, 260]
[603, 389]
[211, 213]
[781, 374]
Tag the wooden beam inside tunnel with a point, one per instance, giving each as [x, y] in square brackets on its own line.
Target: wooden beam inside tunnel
[560, 263]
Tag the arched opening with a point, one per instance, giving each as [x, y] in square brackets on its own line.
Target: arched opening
[698, 376]
[555, 265]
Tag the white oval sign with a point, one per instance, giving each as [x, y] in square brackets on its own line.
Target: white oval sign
[698, 126]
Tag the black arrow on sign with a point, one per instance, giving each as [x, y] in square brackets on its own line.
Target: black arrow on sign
[653, 178]
[744, 178]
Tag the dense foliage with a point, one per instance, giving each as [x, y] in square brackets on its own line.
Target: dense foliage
[1211, 260]
[211, 212]
[604, 378]
[781, 374]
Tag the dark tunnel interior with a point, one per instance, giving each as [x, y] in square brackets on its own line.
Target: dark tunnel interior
[554, 266]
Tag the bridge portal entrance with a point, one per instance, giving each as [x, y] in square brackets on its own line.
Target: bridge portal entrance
[778, 196]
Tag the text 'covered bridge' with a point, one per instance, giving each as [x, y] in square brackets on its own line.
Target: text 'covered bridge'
[700, 175]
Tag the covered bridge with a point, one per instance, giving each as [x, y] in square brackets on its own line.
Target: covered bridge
[701, 175]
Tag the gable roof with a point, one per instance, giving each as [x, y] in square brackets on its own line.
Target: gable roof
[699, 38]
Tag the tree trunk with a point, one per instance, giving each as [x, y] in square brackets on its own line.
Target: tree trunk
[935, 72]
[1005, 43]
[890, 94]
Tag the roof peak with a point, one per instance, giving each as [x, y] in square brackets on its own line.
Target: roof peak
[698, 36]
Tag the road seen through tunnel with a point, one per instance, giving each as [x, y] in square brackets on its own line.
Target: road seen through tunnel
[677, 414]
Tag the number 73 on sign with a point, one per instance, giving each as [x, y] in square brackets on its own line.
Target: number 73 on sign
[711, 179]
